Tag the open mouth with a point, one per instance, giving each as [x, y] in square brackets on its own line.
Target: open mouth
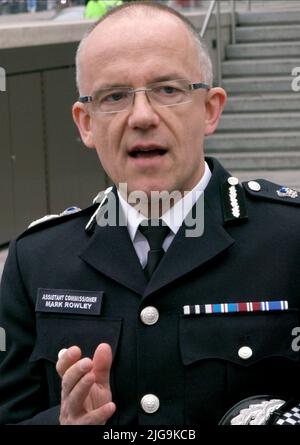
[148, 153]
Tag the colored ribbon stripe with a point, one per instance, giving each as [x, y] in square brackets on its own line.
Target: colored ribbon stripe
[252, 306]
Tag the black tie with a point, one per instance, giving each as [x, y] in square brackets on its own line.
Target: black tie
[155, 233]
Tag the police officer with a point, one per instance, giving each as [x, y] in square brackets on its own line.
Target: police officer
[112, 323]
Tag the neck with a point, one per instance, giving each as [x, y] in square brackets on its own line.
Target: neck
[156, 203]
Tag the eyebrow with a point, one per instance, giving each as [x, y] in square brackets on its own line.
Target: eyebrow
[108, 86]
[171, 76]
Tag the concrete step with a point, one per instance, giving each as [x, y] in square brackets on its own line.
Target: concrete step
[267, 33]
[259, 121]
[260, 18]
[263, 102]
[263, 50]
[258, 84]
[254, 161]
[260, 127]
[259, 67]
[256, 142]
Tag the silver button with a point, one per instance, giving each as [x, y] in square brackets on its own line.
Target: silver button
[245, 352]
[149, 315]
[233, 180]
[150, 403]
[254, 186]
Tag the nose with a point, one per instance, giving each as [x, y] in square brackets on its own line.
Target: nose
[142, 114]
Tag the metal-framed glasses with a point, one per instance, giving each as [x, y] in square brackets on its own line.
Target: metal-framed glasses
[164, 94]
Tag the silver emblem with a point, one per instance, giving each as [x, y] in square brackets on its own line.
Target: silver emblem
[258, 413]
[286, 192]
[70, 210]
[235, 209]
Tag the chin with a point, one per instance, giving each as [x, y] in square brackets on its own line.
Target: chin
[145, 186]
[158, 188]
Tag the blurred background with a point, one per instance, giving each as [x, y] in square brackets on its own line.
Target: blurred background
[23, 6]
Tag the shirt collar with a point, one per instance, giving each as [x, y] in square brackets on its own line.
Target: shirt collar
[132, 216]
[175, 215]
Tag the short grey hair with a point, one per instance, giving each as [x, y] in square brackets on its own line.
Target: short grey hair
[203, 54]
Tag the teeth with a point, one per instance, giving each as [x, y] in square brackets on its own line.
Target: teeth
[148, 149]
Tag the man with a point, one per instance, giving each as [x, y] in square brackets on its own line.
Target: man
[141, 338]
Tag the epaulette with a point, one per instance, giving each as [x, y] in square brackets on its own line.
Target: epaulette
[68, 211]
[52, 220]
[267, 190]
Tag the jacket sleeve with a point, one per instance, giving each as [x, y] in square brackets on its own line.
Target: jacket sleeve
[23, 384]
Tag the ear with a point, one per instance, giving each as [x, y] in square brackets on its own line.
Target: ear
[215, 102]
[82, 119]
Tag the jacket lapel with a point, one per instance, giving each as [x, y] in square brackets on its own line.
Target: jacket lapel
[111, 252]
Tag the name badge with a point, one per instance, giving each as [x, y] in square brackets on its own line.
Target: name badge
[69, 301]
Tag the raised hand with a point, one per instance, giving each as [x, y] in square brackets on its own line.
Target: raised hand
[85, 396]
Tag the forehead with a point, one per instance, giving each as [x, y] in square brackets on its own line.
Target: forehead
[138, 47]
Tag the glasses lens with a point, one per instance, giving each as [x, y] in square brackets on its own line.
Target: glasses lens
[171, 92]
[112, 100]
[167, 93]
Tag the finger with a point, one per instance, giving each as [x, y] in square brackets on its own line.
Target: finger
[61, 353]
[67, 359]
[101, 415]
[79, 394]
[102, 362]
[73, 375]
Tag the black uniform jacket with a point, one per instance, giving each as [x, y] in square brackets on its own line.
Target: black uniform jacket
[191, 363]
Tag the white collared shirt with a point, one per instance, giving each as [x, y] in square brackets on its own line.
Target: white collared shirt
[173, 218]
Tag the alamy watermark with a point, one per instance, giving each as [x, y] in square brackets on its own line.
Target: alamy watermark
[153, 206]
[296, 341]
[296, 80]
[2, 79]
[2, 340]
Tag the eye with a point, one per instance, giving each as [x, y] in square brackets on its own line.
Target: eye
[167, 90]
[114, 96]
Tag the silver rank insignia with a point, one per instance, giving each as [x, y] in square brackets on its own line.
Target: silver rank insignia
[263, 410]
[68, 211]
[233, 200]
[257, 413]
[286, 192]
